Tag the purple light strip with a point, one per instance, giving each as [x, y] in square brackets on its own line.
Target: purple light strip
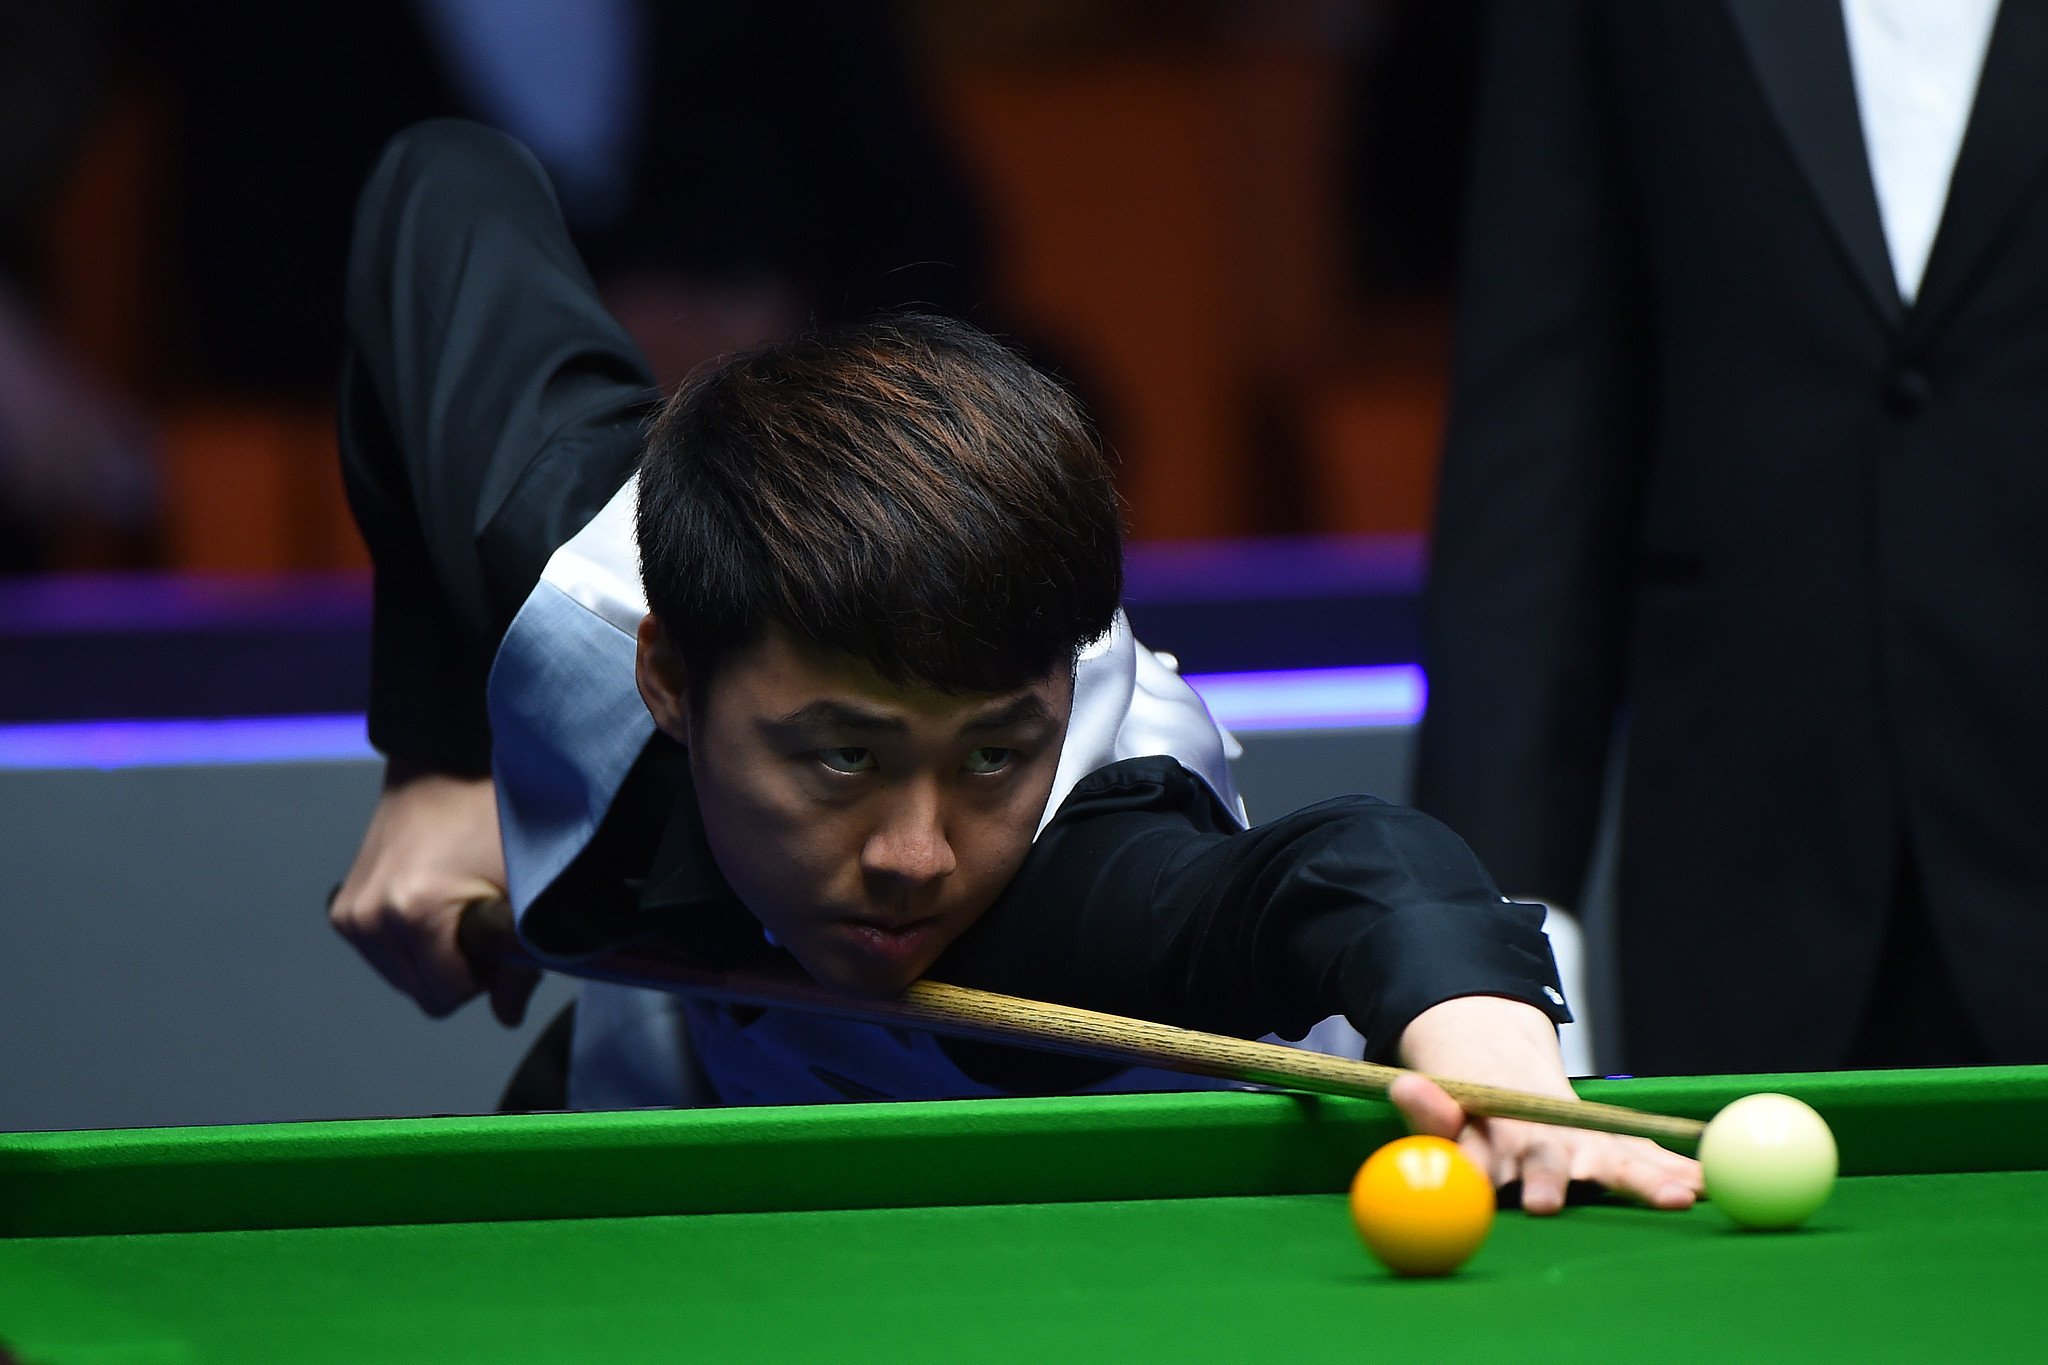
[110, 744]
[1291, 699]
[171, 603]
[1274, 567]
[1315, 698]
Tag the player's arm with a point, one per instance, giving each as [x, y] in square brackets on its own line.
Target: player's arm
[489, 408]
[1142, 898]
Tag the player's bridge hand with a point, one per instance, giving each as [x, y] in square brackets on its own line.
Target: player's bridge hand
[1507, 1043]
[1546, 1158]
[432, 848]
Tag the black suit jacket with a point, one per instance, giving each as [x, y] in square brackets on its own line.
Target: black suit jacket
[1706, 471]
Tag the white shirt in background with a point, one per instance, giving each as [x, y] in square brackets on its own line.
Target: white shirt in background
[1916, 64]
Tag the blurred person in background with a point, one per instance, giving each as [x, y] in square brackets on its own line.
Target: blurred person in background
[175, 189]
[73, 453]
[1747, 448]
[730, 171]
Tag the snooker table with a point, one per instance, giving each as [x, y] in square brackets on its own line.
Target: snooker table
[1199, 1226]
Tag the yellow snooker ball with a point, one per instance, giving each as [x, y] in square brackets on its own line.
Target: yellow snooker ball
[1769, 1161]
[1421, 1206]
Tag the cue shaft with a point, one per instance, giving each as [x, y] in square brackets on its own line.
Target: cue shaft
[485, 933]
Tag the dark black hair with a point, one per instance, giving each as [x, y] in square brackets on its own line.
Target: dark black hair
[909, 491]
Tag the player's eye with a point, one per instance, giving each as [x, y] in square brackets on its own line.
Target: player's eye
[989, 759]
[847, 760]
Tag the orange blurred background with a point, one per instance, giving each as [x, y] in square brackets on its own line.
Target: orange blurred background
[1172, 202]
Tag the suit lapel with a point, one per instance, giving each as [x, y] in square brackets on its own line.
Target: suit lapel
[2001, 157]
[1801, 55]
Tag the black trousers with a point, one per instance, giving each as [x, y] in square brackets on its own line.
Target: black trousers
[1915, 1016]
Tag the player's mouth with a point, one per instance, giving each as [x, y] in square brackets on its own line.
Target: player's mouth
[890, 941]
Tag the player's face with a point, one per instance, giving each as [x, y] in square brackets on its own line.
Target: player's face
[866, 824]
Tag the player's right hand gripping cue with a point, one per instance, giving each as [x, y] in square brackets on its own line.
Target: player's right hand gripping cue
[432, 848]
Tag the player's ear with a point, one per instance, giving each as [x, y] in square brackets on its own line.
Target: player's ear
[664, 681]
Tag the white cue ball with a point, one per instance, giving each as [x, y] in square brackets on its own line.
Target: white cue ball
[1769, 1161]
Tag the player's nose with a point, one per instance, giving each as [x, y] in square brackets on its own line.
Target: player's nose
[910, 843]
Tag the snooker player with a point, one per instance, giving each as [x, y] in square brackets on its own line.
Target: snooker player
[827, 665]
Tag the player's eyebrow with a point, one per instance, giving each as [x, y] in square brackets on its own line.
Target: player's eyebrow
[839, 715]
[1022, 710]
[843, 717]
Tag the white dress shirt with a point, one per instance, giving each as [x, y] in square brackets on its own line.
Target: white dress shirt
[1916, 64]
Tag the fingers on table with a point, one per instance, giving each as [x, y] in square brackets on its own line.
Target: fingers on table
[1635, 1167]
[1542, 1157]
[1659, 1178]
[1546, 1160]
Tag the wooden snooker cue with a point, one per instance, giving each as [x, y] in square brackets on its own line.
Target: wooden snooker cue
[486, 935]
